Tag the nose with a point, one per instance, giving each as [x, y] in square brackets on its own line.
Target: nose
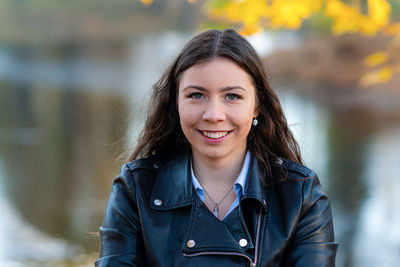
[214, 112]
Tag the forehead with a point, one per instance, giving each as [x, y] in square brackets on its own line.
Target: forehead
[217, 72]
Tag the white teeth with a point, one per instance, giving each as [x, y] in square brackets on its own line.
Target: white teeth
[214, 135]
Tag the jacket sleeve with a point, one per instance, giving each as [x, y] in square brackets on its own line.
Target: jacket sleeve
[121, 239]
[313, 243]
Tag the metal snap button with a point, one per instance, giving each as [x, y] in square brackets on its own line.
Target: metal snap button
[243, 242]
[191, 243]
[157, 165]
[157, 202]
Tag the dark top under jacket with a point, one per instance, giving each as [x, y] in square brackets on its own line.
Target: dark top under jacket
[154, 217]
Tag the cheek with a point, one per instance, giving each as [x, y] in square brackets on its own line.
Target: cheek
[246, 126]
[187, 116]
[243, 122]
[243, 116]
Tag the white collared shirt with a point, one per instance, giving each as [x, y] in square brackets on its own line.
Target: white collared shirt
[239, 185]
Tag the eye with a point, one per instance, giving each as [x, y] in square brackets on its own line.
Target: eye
[233, 97]
[196, 95]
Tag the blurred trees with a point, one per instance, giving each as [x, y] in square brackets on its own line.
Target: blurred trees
[366, 17]
[56, 22]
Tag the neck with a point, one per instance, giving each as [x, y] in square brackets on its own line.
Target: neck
[217, 174]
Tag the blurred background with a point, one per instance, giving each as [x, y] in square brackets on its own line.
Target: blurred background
[75, 77]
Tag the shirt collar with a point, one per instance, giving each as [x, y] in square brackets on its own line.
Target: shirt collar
[240, 181]
[174, 176]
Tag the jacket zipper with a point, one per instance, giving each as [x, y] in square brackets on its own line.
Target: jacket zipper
[252, 264]
[257, 239]
[220, 253]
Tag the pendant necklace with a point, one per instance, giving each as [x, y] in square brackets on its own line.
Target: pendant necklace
[216, 204]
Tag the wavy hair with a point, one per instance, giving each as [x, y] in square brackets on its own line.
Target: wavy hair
[271, 139]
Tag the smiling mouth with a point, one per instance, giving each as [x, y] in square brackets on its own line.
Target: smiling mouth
[215, 135]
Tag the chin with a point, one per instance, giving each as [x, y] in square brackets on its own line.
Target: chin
[213, 154]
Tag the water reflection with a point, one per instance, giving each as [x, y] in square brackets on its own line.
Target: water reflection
[347, 145]
[58, 160]
[377, 241]
[59, 143]
[21, 240]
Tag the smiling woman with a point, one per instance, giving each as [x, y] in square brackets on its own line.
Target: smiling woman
[216, 176]
[216, 105]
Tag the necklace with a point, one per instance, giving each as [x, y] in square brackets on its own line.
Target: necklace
[216, 204]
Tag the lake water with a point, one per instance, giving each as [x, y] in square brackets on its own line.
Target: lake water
[64, 123]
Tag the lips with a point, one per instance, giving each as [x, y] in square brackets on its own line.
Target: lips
[214, 135]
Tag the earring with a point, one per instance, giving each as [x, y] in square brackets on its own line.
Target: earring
[255, 122]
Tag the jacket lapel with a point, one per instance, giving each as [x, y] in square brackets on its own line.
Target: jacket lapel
[173, 186]
[207, 233]
[255, 189]
[173, 189]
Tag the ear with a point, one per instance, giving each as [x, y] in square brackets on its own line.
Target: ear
[256, 106]
[256, 112]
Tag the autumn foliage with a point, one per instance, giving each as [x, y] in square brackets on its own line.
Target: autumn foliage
[366, 17]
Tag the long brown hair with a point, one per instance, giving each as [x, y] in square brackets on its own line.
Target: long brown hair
[269, 140]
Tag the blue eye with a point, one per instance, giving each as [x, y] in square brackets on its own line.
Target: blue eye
[196, 95]
[232, 97]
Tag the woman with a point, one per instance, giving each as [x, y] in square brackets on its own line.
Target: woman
[216, 177]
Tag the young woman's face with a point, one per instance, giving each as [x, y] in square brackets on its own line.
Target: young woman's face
[216, 104]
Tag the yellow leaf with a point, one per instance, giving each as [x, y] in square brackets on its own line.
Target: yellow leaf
[291, 13]
[385, 74]
[376, 59]
[392, 29]
[378, 76]
[146, 2]
[248, 13]
[346, 18]
[379, 11]
[247, 30]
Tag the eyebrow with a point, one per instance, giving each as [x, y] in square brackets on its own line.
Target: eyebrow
[226, 88]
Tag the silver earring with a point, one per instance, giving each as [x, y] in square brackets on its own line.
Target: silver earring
[255, 122]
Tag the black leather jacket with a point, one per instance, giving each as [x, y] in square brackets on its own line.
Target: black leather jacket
[155, 218]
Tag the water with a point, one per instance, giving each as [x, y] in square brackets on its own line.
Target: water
[61, 132]
[357, 159]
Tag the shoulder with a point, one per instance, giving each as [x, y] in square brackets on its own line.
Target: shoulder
[305, 180]
[151, 163]
[135, 172]
[296, 171]
[300, 181]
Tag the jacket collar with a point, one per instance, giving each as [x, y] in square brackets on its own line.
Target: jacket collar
[173, 186]
[255, 188]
